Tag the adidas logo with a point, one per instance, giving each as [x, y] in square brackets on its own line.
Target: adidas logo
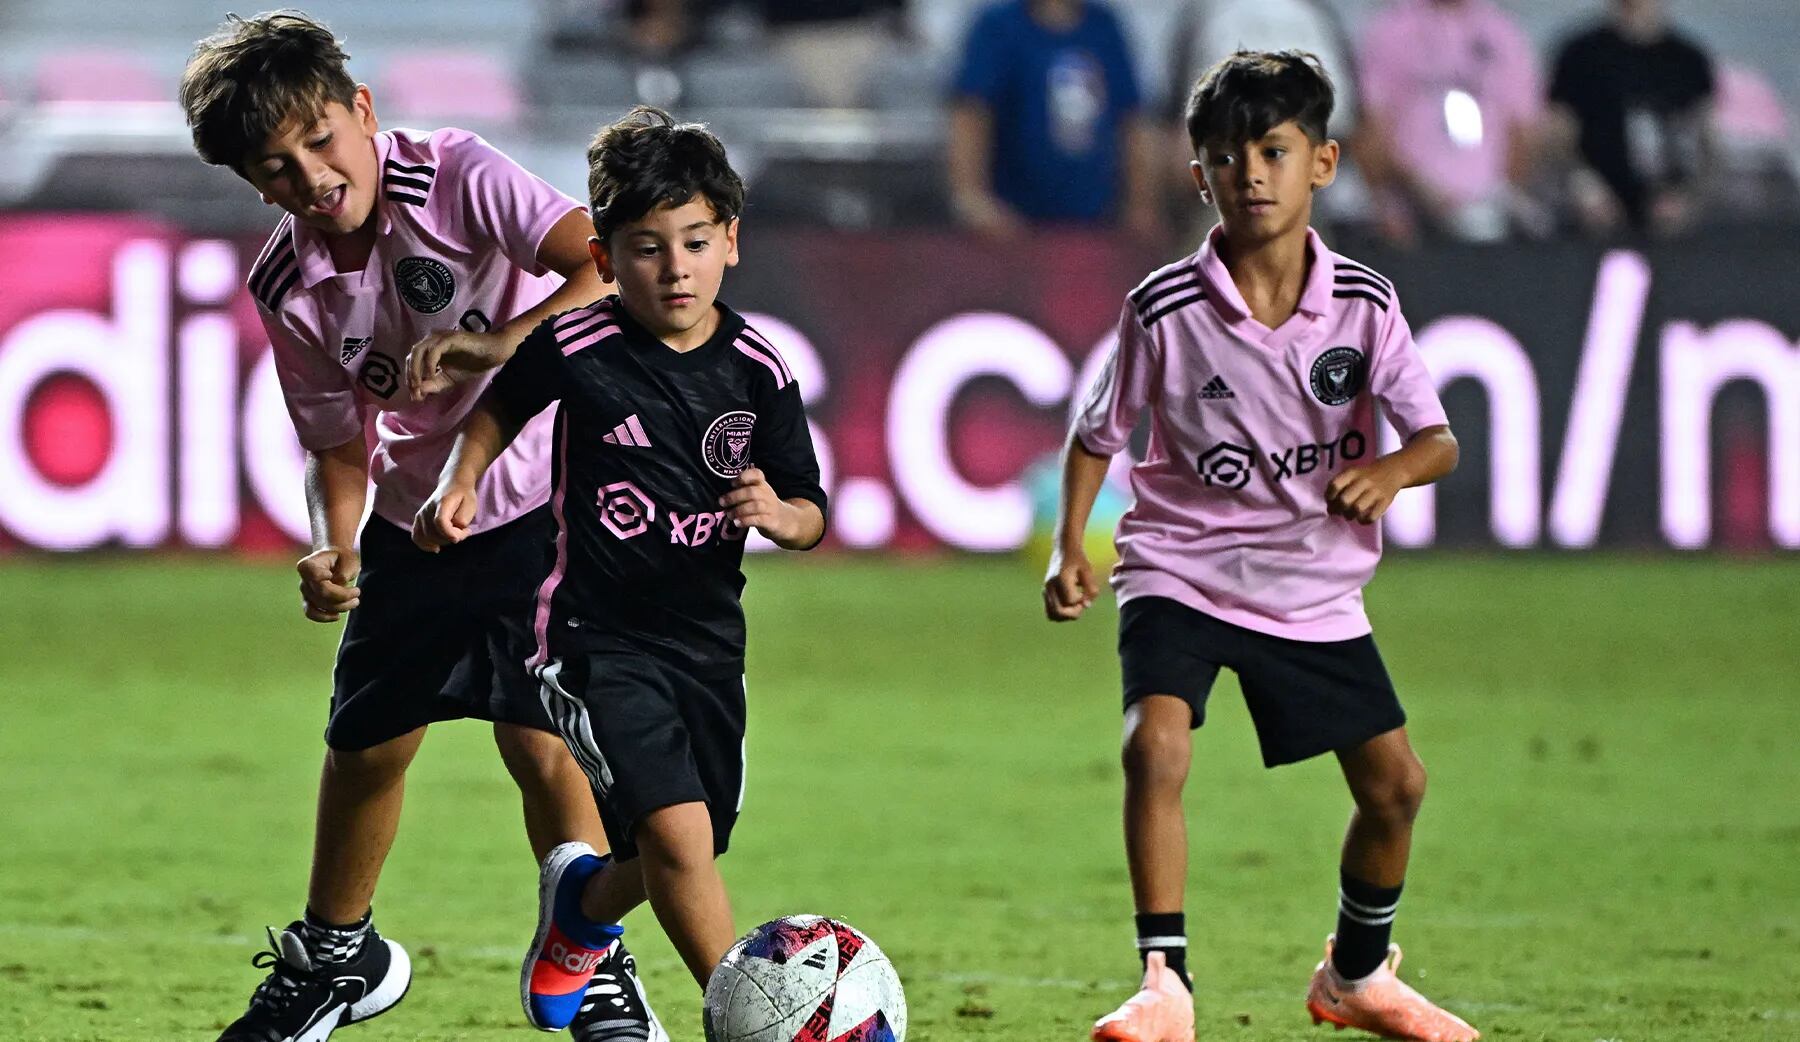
[1215, 388]
[817, 960]
[353, 346]
[631, 433]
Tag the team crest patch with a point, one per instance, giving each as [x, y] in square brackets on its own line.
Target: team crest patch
[353, 346]
[425, 284]
[726, 447]
[1337, 376]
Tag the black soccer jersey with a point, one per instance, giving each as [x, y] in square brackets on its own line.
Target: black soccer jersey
[646, 441]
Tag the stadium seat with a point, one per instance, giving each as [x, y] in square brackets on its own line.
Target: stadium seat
[98, 75]
[450, 85]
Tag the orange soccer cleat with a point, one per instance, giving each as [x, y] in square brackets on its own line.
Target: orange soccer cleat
[1161, 1011]
[1381, 1003]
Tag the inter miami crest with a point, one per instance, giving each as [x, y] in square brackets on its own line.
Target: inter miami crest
[1337, 376]
[726, 447]
[425, 284]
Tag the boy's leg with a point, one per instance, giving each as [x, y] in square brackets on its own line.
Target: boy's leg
[360, 793]
[558, 801]
[1157, 750]
[681, 879]
[1387, 781]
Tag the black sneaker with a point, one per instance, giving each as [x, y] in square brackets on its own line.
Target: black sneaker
[614, 1008]
[298, 1002]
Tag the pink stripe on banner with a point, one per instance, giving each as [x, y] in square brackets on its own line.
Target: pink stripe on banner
[770, 364]
[590, 340]
[763, 342]
[548, 589]
[637, 430]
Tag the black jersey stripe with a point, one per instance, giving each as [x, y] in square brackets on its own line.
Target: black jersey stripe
[1351, 292]
[396, 181]
[406, 197]
[273, 301]
[421, 168]
[1345, 262]
[262, 283]
[1365, 282]
[1172, 307]
[1166, 292]
[1150, 284]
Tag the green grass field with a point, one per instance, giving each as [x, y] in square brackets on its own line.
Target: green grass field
[1608, 849]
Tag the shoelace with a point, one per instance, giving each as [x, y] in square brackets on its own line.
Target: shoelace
[279, 989]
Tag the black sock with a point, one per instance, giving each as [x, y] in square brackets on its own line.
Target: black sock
[332, 944]
[1365, 921]
[1167, 933]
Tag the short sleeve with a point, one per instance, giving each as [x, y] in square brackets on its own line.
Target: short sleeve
[1401, 384]
[532, 378]
[1110, 412]
[501, 202]
[781, 446]
[981, 74]
[318, 393]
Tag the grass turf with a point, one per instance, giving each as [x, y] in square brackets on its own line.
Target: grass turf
[1607, 850]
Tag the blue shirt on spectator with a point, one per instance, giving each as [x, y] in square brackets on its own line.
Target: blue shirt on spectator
[1059, 99]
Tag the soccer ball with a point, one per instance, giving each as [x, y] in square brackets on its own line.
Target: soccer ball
[805, 978]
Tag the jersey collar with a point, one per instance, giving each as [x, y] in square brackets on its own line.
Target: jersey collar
[1315, 296]
[653, 351]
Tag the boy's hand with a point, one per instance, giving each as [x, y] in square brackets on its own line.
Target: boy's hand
[444, 519]
[1069, 588]
[446, 358]
[328, 582]
[752, 503]
[1362, 494]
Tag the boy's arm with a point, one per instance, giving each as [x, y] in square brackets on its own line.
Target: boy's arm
[446, 517]
[792, 524]
[444, 358]
[1069, 586]
[1363, 494]
[337, 481]
[781, 495]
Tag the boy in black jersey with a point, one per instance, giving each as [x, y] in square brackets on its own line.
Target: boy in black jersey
[680, 429]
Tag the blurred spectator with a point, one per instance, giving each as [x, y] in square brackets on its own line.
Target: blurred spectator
[1636, 96]
[832, 45]
[1046, 121]
[1450, 105]
[1216, 29]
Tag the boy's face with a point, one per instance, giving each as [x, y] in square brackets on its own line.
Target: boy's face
[1263, 188]
[669, 264]
[322, 172]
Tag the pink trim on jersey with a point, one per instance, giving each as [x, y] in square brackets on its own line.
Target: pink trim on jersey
[574, 336]
[773, 365]
[547, 590]
[763, 342]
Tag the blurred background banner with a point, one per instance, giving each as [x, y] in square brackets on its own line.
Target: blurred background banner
[1643, 397]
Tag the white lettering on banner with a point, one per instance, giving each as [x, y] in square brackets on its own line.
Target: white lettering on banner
[273, 458]
[208, 511]
[1598, 404]
[1695, 366]
[126, 357]
[1458, 347]
[943, 361]
[1118, 470]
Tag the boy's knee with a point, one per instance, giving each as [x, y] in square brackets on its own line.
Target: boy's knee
[531, 753]
[377, 763]
[1396, 797]
[676, 839]
[1157, 749]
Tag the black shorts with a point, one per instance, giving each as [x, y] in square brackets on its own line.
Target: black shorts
[650, 733]
[1305, 697]
[440, 636]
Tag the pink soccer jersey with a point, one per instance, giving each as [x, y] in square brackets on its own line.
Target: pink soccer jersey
[1247, 427]
[460, 226]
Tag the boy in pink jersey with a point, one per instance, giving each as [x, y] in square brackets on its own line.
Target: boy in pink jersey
[394, 243]
[1262, 359]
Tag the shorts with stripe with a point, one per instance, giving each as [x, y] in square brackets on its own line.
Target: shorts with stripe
[650, 733]
[440, 636]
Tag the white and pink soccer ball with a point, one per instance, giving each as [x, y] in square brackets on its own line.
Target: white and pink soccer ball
[805, 978]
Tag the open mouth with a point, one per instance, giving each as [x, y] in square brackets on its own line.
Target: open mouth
[331, 204]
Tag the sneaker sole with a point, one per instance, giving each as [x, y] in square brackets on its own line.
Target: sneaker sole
[555, 863]
[388, 993]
